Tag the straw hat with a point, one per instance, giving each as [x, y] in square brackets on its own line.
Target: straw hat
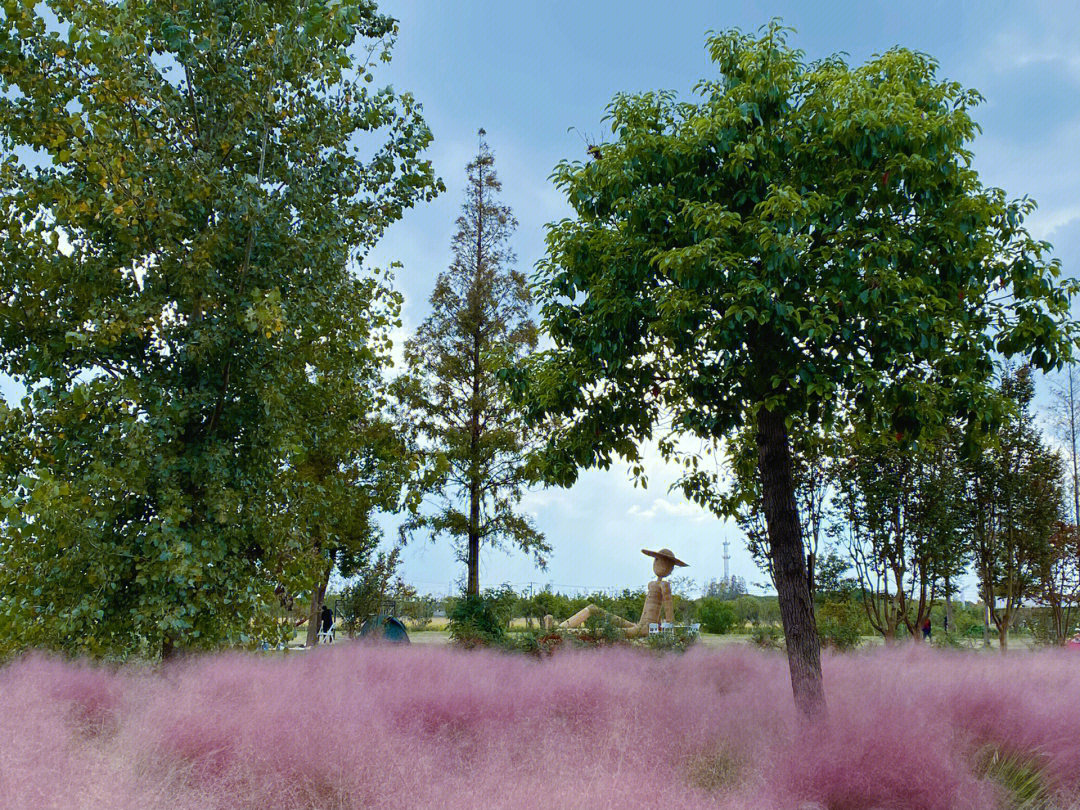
[664, 554]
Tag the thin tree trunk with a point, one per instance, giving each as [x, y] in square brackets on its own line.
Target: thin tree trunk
[314, 616]
[789, 566]
[948, 605]
[472, 556]
[1072, 450]
[1075, 466]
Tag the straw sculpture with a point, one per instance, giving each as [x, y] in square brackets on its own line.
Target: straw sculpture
[657, 600]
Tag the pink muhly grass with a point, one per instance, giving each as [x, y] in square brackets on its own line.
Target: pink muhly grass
[362, 726]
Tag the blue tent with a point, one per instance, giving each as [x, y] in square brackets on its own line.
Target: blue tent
[384, 627]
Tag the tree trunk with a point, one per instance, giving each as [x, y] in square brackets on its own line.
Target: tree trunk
[948, 606]
[789, 567]
[472, 555]
[1057, 623]
[1003, 636]
[315, 614]
[1072, 450]
[472, 558]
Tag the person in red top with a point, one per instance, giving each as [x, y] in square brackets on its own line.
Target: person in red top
[1073, 643]
[926, 629]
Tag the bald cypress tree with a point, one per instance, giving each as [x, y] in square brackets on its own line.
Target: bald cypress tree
[479, 324]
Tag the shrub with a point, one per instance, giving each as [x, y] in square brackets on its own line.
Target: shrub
[1020, 776]
[599, 630]
[476, 622]
[541, 643]
[715, 615]
[502, 601]
[838, 635]
[767, 636]
[952, 641]
[839, 624]
[679, 640]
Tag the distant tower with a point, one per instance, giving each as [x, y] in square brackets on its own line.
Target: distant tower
[727, 578]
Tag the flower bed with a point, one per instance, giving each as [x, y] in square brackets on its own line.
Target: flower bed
[372, 726]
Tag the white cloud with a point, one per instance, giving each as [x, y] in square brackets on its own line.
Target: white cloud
[1015, 48]
[1050, 222]
[665, 508]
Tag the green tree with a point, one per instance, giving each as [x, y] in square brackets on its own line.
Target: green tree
[747, 610]
[802, 240]
[1060, 577]
[941, 515]
[1016, 493]
[176, 269]
[365, 595]
[1066, 416]
[461, 408]
[346, 465]
[1057, 582]
[900, 514]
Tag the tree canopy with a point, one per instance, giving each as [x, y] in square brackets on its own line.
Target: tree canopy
[453, 393]
[806, 235]
[800, 238]
[179, 300]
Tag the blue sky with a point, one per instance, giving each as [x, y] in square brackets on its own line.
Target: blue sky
[528, 72]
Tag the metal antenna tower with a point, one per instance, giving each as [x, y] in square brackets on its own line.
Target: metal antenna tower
[727, 577]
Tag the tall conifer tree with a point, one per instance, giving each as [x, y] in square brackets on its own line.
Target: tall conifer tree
[479, 324]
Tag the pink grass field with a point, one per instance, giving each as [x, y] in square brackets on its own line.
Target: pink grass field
[361, 726]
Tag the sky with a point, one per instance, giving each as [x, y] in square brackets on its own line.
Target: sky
[538, 76]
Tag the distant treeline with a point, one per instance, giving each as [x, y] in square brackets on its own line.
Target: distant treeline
[841, 619]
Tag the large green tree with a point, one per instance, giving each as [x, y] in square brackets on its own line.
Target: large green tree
[801, 239]
[187, 189]
[479, 324]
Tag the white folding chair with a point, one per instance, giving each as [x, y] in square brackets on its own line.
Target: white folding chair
[327, 636]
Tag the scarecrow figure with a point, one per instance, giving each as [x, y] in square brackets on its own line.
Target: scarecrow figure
[657, 598]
